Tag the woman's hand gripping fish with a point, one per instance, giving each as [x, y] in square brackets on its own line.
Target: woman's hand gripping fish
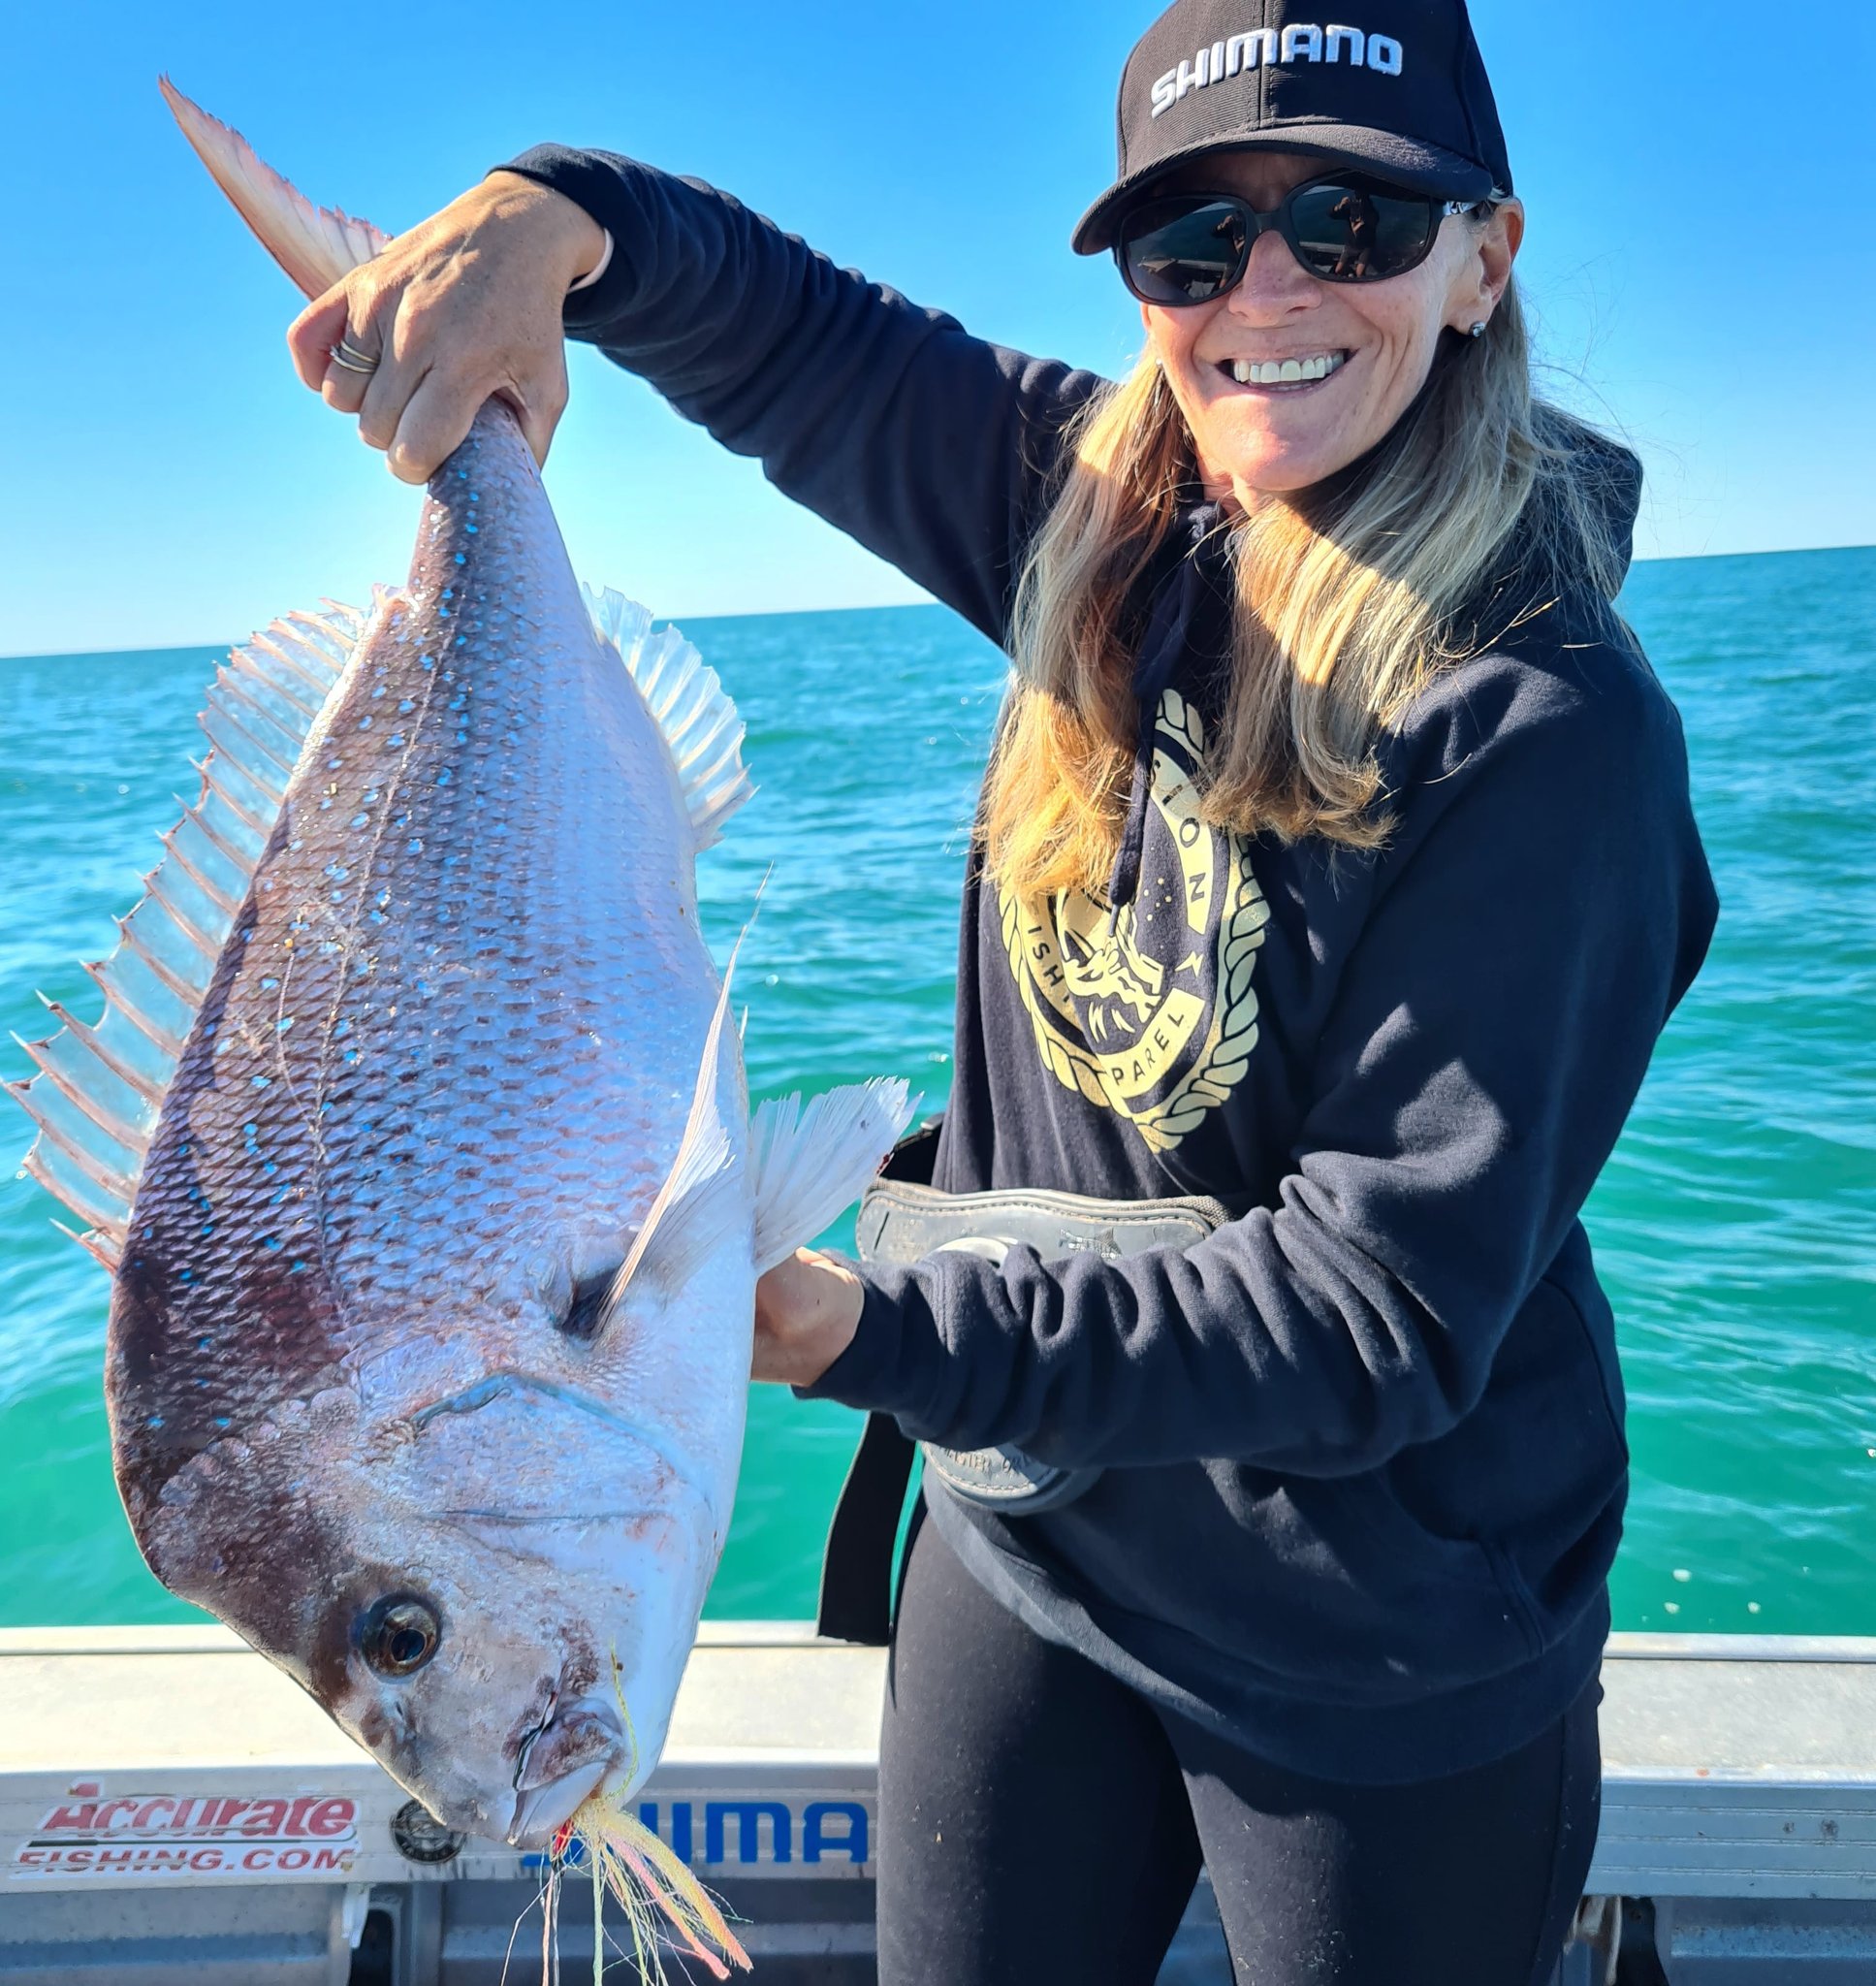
[418, 1144]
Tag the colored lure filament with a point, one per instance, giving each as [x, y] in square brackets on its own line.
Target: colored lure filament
[661, 1897]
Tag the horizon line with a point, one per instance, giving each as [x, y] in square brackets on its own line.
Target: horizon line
[852, 607]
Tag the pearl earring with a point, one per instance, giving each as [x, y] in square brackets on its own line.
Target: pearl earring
[1476, 331]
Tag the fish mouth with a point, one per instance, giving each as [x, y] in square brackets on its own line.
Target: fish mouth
[542, 1812]
[563, 1762]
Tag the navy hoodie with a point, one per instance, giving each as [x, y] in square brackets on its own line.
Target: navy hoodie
[1363, 1449]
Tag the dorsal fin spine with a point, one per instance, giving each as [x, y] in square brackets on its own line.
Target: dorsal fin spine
[131, 1077]
[210, 770]
[160, 1038]
[129, 1136]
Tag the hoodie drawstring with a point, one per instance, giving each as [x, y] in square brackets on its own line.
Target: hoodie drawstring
[1163, 648]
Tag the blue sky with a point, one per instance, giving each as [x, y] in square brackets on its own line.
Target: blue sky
[1698, 258]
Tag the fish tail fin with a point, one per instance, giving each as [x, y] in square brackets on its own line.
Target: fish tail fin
[315, 245]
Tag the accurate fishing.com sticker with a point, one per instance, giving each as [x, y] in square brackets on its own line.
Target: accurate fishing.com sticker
[182, 1835]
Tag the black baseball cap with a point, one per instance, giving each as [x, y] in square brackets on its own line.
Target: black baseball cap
[1399, 91]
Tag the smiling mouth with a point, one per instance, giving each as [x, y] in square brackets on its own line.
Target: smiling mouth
[1284, 375]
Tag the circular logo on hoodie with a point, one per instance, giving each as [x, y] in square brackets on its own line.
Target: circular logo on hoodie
[1149, 1009]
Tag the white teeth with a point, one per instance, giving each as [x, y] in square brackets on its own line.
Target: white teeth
[1287, 371]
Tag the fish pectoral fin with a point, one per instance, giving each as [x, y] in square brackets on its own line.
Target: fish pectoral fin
[699, 1203]
[814, 1160]
[693, 711]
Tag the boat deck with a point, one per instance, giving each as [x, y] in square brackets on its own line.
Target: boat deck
[172, 1808]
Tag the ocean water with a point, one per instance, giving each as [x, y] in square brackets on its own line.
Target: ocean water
[1736, 1225]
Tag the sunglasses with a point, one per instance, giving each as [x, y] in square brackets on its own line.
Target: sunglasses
[1192, 248]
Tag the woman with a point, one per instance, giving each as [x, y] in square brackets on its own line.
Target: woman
[1335, 865]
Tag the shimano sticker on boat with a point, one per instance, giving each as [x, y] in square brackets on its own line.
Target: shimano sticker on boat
[755, 1835]
[183, 1837]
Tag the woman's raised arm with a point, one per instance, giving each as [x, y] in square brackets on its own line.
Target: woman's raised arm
[932, 448]
[929, 446]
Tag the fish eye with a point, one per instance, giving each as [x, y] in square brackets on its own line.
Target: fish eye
[398, 1634]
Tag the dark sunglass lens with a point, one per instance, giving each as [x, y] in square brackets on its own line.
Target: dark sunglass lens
[1351, 233]
[1176, 252]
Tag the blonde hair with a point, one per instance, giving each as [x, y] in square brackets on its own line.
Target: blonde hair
[1346, 606]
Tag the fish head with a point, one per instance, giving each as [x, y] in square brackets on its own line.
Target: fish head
[495, 1595]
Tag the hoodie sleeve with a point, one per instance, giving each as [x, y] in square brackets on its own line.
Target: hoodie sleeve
[1543, 905]
[930, 447]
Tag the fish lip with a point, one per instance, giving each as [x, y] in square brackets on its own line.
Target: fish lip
[541, 1811]
[562, 1763]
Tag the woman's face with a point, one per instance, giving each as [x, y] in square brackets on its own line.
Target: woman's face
[1380, 338]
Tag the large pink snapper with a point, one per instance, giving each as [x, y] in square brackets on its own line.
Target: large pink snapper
[419, 1149]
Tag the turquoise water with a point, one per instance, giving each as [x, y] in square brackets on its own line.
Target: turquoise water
[1735, 1226]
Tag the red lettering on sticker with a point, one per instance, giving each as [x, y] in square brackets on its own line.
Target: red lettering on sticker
[332, 1858]
[331, 1817]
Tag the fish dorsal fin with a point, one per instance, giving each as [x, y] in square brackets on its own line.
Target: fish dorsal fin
[697, 1202]
[99, 1087]
[315, 245]
[691, 706]
[814, 1160]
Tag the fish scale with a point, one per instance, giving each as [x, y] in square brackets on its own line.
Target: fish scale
[418, 1144]
[469, 957]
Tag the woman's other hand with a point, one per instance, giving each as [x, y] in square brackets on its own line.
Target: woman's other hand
[807, 1310]
[464, 305]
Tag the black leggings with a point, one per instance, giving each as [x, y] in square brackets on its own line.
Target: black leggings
[1041, 1824]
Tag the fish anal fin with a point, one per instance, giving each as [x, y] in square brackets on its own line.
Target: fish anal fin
[693, 710]
[814, 1160]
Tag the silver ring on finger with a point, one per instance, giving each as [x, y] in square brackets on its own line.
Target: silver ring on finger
[349, 359]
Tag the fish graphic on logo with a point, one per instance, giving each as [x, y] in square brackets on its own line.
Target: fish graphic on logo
[1150, 1009]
